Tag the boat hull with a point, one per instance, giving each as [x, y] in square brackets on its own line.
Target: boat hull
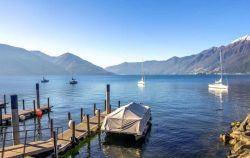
[218, 86]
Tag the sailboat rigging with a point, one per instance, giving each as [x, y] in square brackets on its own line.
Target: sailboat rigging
[142, 81]
[219, 83]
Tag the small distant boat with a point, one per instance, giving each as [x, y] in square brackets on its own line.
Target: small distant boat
[73, 81]
[141, 83]
[44, 80]
[219, 83]
[132, 119]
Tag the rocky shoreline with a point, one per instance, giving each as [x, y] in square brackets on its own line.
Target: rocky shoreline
[238, 138]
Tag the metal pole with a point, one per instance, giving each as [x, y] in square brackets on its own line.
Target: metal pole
[37, 96]
[25, 141]
[4, 138]
[15, 119]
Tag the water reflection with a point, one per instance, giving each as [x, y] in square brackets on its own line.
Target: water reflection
[219, 93]
[124, 146]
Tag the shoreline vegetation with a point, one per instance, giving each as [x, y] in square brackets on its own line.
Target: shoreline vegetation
[238, 138]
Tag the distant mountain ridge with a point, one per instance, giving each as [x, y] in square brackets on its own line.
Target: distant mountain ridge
[235, 56]
[19, 61]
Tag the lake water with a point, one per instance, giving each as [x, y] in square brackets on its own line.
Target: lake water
[187, 118]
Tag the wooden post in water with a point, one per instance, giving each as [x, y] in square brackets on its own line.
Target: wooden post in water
[37, 96]
[108, 107]
[23, 105]
[88, 126]
[55, 144]
[81, 114]
[94, 108]
[51, 128]
[105, 105]
[119, 103]
[69, 116]
[73, 131]
[99, 118]
[48, 104]
[34, 107]
[1, 117]
[15, 119]
[5, 104]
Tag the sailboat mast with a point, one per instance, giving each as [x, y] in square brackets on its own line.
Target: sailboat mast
[142, 70]
[220, 66]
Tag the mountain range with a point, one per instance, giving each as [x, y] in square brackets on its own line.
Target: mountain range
[235, 57]
[19, 61]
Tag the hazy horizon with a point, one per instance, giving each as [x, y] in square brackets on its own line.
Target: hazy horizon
[111, 32]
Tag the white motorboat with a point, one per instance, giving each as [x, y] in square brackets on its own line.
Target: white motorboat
[131, 119]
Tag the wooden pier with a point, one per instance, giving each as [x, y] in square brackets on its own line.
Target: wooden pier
[58, 142]
[29, 113]
[64, 140]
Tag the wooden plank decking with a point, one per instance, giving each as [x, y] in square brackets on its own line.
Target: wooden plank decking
[32, 148]
[64, 139]
[27, 113]
[63, 142]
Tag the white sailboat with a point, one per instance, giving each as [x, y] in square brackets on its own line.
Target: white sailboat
[219, 83]
[141, 83]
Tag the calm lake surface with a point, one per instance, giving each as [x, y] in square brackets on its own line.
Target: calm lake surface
[187, 118]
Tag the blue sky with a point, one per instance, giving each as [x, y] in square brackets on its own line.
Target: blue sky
[107, 32]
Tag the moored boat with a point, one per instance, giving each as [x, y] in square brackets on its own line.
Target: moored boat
[44, 80]
[219, 83]
[131, 119]
[73, 81]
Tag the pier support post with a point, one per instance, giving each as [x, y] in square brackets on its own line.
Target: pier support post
[105, 105]
[5, 104]
[94, 108]
[73, 138]
[51, 128]
[119, 103]
[55, 144]
[88, 126]
[99, 118]
[108, 107]
[48, 104]
[34, 107]
[37, 96]
[23, 105]
[15, 119]
[81, 115]
[1, 117]
[69, 116]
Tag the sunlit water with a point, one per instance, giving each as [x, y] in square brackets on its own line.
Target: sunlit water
[187, 118]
